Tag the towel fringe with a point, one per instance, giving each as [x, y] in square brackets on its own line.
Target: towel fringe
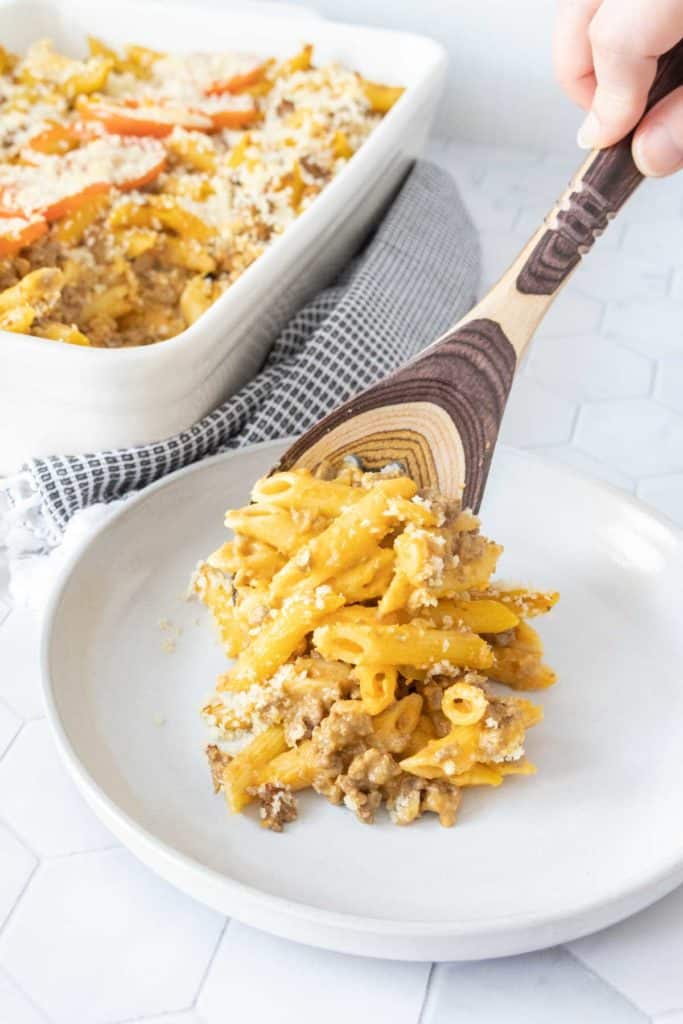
[26, 527]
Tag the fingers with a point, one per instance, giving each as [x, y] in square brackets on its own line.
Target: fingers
[572, 53]
[605, 54]
[625, 38]
[658, 142]
[624, 72]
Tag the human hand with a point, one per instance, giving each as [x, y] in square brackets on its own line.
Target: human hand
[605, 54]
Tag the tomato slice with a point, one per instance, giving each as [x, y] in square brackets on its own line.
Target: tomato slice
[133, 118]
[62, 185]
[232, 118]
[119, 123]
[17, 233]
[157, 121]
[69, 204]
[238, 83]
[54, 141]
[144, 179]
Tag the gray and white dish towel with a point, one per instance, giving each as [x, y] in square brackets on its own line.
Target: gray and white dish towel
[415, 277]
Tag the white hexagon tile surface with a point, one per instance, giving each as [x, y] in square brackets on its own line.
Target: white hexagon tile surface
[88, 936]
[14, 1006]
[45, 811]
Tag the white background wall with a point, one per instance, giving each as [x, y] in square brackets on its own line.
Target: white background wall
[501, 86]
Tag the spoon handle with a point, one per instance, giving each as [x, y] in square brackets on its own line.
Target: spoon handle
[470, 368]
[599, 190]
[603, 183]
[440, 414]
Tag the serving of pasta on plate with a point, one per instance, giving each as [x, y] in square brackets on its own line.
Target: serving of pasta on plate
[367, 637]
[136, 187]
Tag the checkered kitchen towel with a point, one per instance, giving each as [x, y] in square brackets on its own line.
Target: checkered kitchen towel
[416, 276]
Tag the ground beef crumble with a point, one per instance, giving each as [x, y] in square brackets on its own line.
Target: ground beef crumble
[364, 783]
[467, 546]
[336, 741]
[302, 715]
[217, 762]
[445, 509]
[353, 769]
[413, 796]
[355, 766]
[277, 805]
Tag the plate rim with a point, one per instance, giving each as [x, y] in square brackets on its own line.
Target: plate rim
[133, 835]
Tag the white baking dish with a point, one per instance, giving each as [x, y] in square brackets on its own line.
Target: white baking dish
[60, 398]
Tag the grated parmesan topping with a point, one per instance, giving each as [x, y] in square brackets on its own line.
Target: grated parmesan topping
[111, 161]
[514, 755]
[185, 77]
[288, 131]
[12, 226]
[443, 668]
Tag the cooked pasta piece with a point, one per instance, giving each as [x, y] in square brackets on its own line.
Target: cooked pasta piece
[243, 771]
[366, 630]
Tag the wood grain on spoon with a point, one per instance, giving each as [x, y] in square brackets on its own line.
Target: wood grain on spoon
[440, 413]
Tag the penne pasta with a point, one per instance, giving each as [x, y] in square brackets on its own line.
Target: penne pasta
[294, 768]
[361, 644]
[366, 628]
[279, 638]
[395, 726]
[377, 686]
[243, 771]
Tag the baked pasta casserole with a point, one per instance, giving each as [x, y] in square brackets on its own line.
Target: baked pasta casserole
[367, 636]
[136, 187]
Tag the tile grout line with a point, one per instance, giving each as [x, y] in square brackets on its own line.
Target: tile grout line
[148, 1016]
[670, 279]
[214, 953]
[665, 474]
[589, 970]
[21, 840]
[425, 999]
[40, 717]
[532, 375]
[633, 480]
[668, 408]
[655, 371]
[3, 926]
[13, 909]
[191, 1006]
[115, 845]
[610, 400]
[624, 341]
[14, 738]
[543, 447]
[576, 416]
[10, 709]
[602, 319]
[29, 999]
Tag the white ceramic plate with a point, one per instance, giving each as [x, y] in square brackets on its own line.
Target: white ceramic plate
[595, 836]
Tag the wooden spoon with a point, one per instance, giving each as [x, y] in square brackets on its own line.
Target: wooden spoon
[439, 414]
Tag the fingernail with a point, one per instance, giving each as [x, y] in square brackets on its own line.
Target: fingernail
[656, 151]
[589, 133]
